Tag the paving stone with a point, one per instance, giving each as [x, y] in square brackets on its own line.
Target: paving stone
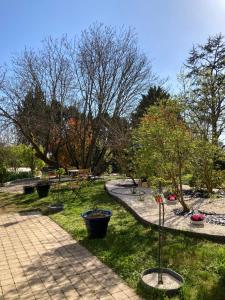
[119, 296]
[39, 260]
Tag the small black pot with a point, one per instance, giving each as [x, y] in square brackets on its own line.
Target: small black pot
[97, 222]
[43, 189]
[28, 189]
[54, 208]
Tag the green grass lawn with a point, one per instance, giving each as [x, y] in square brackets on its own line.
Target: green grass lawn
[129, 248]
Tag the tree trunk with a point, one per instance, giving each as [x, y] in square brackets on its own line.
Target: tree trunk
[181, 198]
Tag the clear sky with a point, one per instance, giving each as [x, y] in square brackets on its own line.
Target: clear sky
[166, 29]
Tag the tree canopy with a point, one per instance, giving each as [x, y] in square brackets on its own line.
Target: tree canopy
[164, 146]
[205, 95]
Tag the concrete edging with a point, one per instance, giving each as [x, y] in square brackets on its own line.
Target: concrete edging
[214, 238]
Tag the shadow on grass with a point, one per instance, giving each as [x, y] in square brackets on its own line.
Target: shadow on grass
[218, 291]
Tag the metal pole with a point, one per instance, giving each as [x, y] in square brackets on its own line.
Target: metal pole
[161, 206]
[160, 281]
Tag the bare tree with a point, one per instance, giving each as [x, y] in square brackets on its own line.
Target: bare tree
[68, 96]
[110, 73]
[40, 82]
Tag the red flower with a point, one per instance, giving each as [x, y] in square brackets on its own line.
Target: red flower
[158, 199]
[198, 217]
[172, 197]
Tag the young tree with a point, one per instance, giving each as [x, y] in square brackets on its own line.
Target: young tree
[164, 145]
[205, 76]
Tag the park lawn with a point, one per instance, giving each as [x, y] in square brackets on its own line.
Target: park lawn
[129, 247]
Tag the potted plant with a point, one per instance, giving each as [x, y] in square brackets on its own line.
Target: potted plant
[43, 188]
[198, 219]
[28, 189]
[57, 206]
[96, 221]
[171, 199]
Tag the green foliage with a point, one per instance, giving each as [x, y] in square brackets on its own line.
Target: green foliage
[205, 173]
[186, 178]
[205, 93]
[29, 159]
[60, 172]
[17, 156]
[10, 176]
[3, 174]
[14, 157]
[164, 144]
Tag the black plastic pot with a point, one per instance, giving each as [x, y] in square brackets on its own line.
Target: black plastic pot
[43, 189]
[54, 208]
[28, 189]
[97, 222]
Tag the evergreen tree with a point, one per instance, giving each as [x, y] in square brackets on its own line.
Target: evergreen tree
[154, 96]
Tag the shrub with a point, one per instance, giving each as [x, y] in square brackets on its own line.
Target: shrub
[3, 174]
[11, 176]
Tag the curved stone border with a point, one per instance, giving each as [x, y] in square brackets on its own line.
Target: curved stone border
[136, 194]
[146, 212]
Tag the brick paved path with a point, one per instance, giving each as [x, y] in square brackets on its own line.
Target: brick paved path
[39, 260]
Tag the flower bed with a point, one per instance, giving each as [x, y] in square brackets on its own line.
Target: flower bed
[171, 199]
[198, 219]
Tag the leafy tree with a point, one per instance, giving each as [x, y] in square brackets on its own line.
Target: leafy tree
[205, 173]
[16, 156]
[154, 96]
[205, 78]
[164, 145]
[30, 160]
[3, 171]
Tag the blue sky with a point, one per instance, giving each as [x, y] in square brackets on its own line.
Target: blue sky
[166, 29]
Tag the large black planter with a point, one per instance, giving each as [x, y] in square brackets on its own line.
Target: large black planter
[42, 189]
[97, 222]
[28, 189]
